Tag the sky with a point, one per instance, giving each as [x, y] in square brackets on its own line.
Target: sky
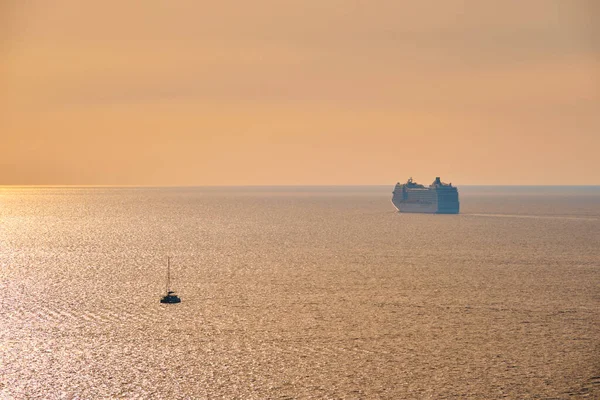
[299, 92]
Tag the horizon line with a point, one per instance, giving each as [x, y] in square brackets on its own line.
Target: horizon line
[266, 185]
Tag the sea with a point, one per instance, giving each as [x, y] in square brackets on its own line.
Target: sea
[298, 293]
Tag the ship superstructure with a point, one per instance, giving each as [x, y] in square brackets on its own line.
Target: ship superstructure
[438, 198]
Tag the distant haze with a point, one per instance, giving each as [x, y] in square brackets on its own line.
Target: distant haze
[299, 92]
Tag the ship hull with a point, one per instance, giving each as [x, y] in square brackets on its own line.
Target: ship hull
[426, 208]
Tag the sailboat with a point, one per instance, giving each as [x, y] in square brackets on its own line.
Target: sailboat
[170, 297]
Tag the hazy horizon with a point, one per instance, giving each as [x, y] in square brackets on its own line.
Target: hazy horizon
[307, 186]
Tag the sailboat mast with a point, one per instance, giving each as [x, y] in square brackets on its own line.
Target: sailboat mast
[168, 273]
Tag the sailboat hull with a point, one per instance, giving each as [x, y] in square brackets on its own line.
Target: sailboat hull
[170, 299]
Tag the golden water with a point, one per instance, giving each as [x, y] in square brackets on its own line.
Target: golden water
[298, 293]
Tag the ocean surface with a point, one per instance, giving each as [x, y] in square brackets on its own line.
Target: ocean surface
[298, 292]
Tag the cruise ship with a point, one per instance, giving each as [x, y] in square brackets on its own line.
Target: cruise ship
[438, 198]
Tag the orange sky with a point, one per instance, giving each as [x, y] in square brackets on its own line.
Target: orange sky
[299, 92]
